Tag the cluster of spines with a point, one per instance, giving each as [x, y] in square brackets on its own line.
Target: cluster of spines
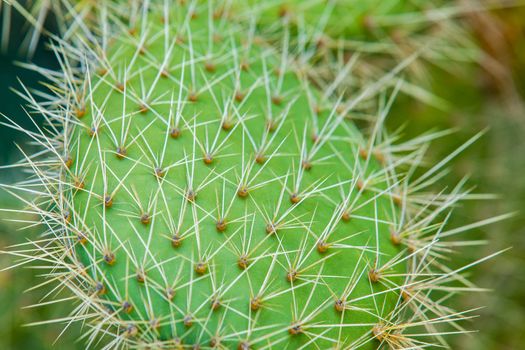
[413, 220]
[326, 38]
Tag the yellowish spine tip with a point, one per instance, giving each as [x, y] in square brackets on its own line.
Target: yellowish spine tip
[339, 305]
[176, 241]
[220, 225]
[295, 329]
[374, 275]
[322, 247]
[201, 267]
[243, 262]
[145, 219]
[291, 275]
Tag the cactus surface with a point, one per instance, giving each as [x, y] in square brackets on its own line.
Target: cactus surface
[199, 191]
[207, 192]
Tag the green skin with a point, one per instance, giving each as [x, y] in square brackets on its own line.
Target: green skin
[146, 245]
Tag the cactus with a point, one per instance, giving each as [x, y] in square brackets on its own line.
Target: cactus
[198, 191]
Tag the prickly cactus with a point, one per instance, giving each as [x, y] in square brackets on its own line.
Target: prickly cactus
[198, 191]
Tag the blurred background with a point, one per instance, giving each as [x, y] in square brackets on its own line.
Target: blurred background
[486, 96]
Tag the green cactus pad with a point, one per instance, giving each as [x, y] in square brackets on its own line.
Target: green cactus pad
[214, 196]
[200, 192]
